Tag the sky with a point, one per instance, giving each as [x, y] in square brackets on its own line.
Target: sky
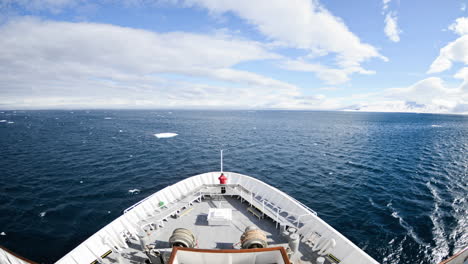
[361, 55]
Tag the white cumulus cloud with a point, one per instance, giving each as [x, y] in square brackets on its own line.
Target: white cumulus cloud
[385, 4]
[391, 27]
[456, 51]
[460, 26]
[430, 95]
[48, 63]
[301, 24]
[326, 74]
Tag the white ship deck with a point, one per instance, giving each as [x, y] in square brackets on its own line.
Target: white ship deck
[208, 236]
[187, 203]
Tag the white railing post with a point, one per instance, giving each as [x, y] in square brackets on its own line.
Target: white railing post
[98, 258]
[263, 207]
[277, 217]
[73, 258]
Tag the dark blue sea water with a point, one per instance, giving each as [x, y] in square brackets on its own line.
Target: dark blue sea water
[395, 184]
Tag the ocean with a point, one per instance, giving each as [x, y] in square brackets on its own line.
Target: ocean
[393, 183]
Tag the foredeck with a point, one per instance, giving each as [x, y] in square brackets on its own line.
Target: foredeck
[208, 236]
[186, 204]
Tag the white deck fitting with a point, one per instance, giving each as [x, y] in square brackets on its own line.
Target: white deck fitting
[184, 199]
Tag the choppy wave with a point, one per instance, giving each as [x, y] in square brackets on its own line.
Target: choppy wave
[395, 256]
[441, 249]
[409, 229]
[459, 234]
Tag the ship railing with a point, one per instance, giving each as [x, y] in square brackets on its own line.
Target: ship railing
[280, 215]
[276, 199]
[307, 220]
[112, 237]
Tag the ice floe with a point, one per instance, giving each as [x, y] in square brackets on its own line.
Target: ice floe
[165, 135]
[134, 191]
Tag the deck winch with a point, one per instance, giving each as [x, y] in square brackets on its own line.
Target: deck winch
[182, 237]
[253, 237]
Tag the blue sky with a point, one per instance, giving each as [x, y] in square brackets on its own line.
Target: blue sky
[367, 55]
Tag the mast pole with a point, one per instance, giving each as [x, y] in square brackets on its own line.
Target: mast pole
[221, 161]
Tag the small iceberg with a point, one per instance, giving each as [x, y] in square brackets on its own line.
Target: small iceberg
[134, 191]
[165, 135]
[2, 234]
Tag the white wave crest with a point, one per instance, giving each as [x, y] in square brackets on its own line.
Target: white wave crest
[107, 118]
[2, 121]
[395, 255]
[436, 126]
[409, 229]
[459, 234]
[134, 191]
[165, 135]
[10, 122]
[441, 249]
[42, 214]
